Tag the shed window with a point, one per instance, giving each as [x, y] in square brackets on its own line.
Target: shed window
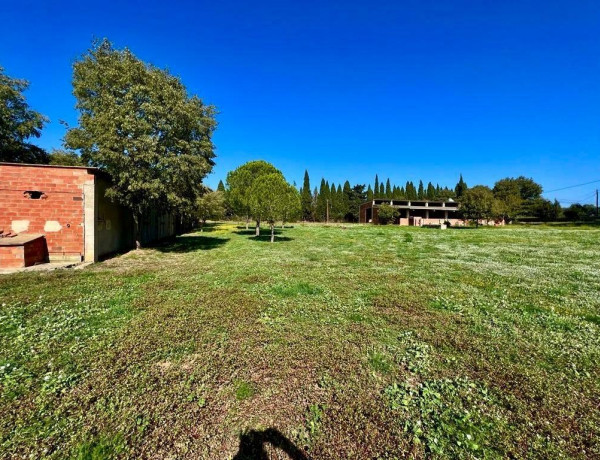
[34, 194]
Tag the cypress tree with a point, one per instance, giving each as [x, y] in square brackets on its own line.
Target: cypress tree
[339, 202]
[409, 191]
[333, 202]
[346, 197]
[306, 198]
[376, 188]
[421, 192]
[461, 187]
[221, 186]
[381, 191]
[322, 201]
[388, 189]
[430, 191]
[369, 193]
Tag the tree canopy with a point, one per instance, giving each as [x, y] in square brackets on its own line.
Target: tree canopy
[519, 196]
[138, 123]
[64, 158]
[477, 203]
[18, 123]
[239, 183]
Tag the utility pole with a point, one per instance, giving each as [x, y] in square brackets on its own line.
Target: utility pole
[328, 211]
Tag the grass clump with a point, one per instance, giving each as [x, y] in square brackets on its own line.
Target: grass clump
[244, 390]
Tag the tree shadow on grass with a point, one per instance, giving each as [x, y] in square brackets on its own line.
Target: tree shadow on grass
[266, 238]
[265, 235]
[190, 244]
[245, 232]
[210, 227]
[254, 445]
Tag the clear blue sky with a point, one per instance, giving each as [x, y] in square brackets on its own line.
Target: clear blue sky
[406, 89]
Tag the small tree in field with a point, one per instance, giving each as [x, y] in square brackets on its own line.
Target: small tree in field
[239, 183]
[272, 198]
[211, 205]
[386, 214]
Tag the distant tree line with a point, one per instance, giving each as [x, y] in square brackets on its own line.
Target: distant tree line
[511, 200]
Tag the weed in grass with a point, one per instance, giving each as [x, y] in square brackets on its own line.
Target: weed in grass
[314, 419]
[243, 390]
[450, 417]
[102, 449]
[380, 362]
[295, 289]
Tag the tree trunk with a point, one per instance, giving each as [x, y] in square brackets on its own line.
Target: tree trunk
[202, 222]
[257, 228]
[272, 233]
[137, 219]
[247, 221]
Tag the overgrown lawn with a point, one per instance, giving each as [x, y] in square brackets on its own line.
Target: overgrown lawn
[340, 341]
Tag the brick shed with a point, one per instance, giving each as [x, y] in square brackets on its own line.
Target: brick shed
[67, 206]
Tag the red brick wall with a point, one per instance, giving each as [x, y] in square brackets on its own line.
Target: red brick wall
[24, 255]
[63, 202]
[11, 257]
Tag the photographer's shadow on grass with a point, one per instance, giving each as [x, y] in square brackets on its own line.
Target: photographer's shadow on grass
[265, 235]
[190, 243]
[255, 445]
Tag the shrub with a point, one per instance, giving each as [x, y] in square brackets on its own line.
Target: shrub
[386, 214]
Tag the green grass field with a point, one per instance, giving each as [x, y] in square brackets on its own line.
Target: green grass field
[358, 342]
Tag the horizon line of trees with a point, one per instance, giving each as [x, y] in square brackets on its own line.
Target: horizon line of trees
[511, 199]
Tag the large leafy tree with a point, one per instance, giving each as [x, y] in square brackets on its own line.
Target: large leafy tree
[18, 123]
[239, 183]
[272, 199]
[518, 196]
[478, 203]
[138, 123]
